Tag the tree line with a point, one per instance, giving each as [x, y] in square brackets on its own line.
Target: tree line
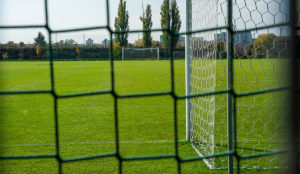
[264, 46]
[170, 19]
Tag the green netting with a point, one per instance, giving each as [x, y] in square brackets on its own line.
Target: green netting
[233, 96]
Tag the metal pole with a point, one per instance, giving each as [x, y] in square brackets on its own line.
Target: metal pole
[230, 85]
[122, 54]
[188, 67]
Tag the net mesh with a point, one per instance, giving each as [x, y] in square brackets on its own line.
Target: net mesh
[210, 18]
[259, 62]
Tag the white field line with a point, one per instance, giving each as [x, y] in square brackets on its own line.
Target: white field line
[82, 107]
[87, 143]
[103, 142]
[206, 161]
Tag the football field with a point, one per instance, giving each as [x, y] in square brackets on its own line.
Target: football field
[86, 123]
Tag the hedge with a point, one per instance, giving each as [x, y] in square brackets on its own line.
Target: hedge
[84, 54]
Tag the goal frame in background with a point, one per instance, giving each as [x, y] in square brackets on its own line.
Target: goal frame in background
[140, 49]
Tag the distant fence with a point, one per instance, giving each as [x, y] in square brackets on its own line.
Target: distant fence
[84, 54]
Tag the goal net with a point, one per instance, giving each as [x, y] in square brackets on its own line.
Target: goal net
[140, 53]
[259, 118]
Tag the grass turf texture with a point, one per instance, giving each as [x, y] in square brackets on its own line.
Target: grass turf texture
[146, 125]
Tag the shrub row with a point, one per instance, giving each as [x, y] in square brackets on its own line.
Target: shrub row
[59, 53]
[84, 54]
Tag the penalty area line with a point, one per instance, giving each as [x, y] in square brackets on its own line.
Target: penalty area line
[89, 143]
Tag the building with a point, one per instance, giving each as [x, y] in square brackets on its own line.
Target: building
[180, 39]
[89, 42]
[220, 37]
[243, 37]
[106, 42]
[238, 38]
[181, 42]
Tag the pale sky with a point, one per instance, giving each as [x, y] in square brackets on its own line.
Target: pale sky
[66, 14]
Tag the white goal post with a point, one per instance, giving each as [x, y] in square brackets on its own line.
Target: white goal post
[201, 54]
[154, 51]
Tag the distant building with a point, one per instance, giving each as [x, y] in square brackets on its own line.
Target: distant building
[181, 39]
[106, 42]
[243, 37]
[220, 37]
[181, 42]
[89, 42]
[238, 38]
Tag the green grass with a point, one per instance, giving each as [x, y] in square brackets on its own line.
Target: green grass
[146, 125]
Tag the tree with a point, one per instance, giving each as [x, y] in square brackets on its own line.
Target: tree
[61, 43]
[175, 21]
[121, 24]
[21, 51]
[170, 18]
[21, 44]
[155, 44]
[40, 40]
[263, 45]
[77, 50]
[165, 22]
[117, 50]
[69, 42]
[5, 56]
[221, 50]
[147, 25]
[38, 50]
[10, 44]
[138, 43]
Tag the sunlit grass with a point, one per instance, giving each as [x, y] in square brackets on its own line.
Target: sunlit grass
[146, 124]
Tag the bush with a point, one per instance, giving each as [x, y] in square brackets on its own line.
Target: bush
[5, 56]
[61, 53]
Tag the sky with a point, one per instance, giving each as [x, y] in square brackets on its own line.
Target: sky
[66, 14]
